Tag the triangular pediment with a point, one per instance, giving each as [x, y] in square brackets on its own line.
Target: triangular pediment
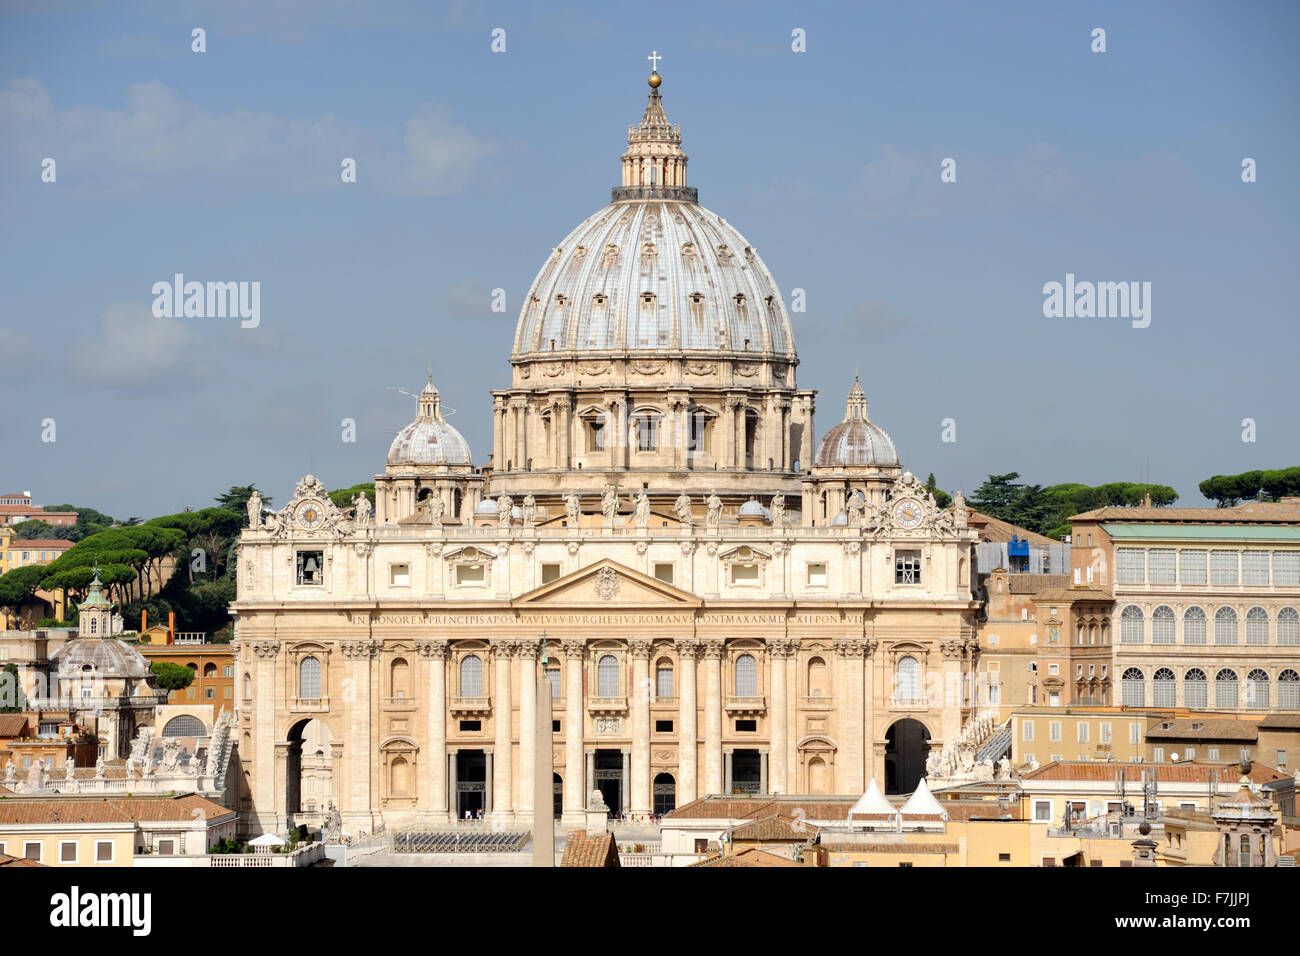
[608, 583]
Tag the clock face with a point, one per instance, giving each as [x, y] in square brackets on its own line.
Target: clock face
[309, 515]
[907, 513]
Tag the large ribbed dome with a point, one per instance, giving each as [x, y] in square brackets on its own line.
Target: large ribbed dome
[856, 440]
[429, 440]
[645, 275]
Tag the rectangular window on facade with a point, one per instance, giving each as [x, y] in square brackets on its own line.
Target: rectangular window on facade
[746, 726]
[103, 851]
[1053, 668]
[68, 851]
[1286, 569]
[1161, 566]
[228, 694]
[1043, 811]
[1191, 566]
[1083, 732]
[907, 567]
[210, 693]
[994, 639]
[311, 567]
[166, 847]
[550, 572]
[1223, 567]
[664, 572]
[1004, 857]
[817, 575]
[1134, 733]
[1254, 568]
[399, 575]
[744, 575]
[1053, 698]
[1027, 730]
[555, 726]
[1214, 753]
[663, 726]
[32, 851]
[228, 670]
[1130, 565]
[1279, 760]
[471, 726]
[1104, 732]
[1054, 730]
[471, 575]
[1158, 754]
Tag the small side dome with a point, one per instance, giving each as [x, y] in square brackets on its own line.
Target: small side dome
[486, 507]
[752, 509]
[429, 440]
[856, 440]
[841, 519]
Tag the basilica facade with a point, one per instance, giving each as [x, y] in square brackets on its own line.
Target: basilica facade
[720, 601]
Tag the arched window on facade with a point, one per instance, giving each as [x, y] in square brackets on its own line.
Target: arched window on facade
[1288, 690]
[1133, 688]
[817, 684]
[1194, 625]
[746, 676]
[1163, 688]
[1195, 689]
[1225, 689]
[1162, 625]
[1288, 626]
[1225, 626]
[607, 676]
[309, 678]
[664, 680]
[209, 670]
[1131, 625]
[471, 676]
[399, 679]
[184, 726]
[1257, 626]
[1257, 690]
[909, 678]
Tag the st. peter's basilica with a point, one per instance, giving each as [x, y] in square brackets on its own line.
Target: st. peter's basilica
[722, 602]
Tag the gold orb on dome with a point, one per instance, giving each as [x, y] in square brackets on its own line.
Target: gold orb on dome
[655, 80]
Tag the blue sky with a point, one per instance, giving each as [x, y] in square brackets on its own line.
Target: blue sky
[1123, 165]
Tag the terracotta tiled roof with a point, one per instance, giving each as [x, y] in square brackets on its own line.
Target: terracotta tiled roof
[44, 544]
[1033, 583]
[774, 829]
[7, 860]
[1192, 772]
[755, 808]
[1248, 511]
[1215, 728]
[590, 850]
[1067, 595]
[12, 725]
[986, 811]
[995, 529]
[1280, 722]
[107, 809]
[750, 857]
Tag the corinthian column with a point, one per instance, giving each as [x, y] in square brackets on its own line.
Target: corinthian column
[434, 655]
[359, 797]
[780, 650]
[688, 734]
[574, 803]
[502, 800]
[713, 651]
[951, 721]
[527, 730]
[639, 711]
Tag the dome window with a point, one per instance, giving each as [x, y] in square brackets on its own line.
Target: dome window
[598, 299]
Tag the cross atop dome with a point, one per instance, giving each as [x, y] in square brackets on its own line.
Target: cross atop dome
[654, 166]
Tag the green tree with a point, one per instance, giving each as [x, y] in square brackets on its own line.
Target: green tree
[343, 497]
[998, 495]
[236, 498]
[170, 676]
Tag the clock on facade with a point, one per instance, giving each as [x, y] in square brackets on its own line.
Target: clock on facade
[309, 515]
[907, 513]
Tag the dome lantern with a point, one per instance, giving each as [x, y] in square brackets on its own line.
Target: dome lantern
[654, 166]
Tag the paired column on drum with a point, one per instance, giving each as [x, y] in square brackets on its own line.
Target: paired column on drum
[688, 734]
[639, 712]
[780, 650]
[434, 655]
[502, 800]
[575, 804]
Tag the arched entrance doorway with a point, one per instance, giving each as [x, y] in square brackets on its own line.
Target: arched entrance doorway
[665, 794]
[906, 749]
[309, 772]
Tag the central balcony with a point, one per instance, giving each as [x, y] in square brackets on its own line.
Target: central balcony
[909, 703]
[471, 706]
[606, 705]
[746, 706]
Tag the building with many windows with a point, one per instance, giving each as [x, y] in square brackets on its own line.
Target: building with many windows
[718, 608]
[1207, 604]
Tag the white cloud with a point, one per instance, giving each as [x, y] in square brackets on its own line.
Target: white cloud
[158, 133]
[897, 187]
[136, 349]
